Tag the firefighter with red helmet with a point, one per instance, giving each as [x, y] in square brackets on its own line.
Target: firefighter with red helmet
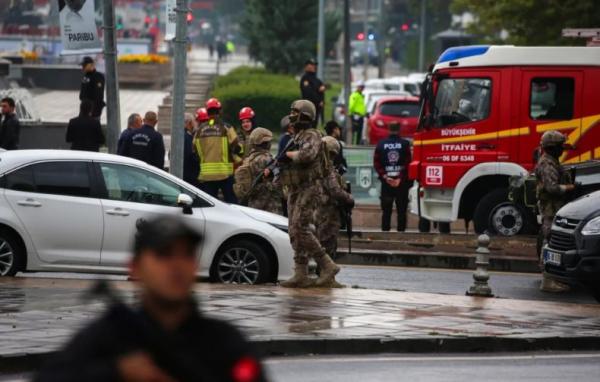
[201, 115]
[216, 144]
[247, 124]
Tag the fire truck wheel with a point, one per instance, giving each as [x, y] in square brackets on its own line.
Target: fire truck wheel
[497, 215]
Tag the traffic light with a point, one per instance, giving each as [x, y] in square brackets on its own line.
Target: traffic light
[405, 27]
[189, 17]
[360, 36]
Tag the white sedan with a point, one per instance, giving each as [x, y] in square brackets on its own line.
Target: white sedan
[77, 211]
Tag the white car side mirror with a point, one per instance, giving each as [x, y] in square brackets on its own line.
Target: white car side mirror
[185, 201]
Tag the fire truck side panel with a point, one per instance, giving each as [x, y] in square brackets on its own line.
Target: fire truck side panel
[470, 152]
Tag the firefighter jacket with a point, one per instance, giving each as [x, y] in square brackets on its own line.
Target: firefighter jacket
[216, 144]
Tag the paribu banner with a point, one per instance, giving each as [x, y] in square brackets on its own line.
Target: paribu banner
[171, 19]
[78, 29]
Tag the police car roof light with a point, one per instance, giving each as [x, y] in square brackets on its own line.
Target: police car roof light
[457, 53]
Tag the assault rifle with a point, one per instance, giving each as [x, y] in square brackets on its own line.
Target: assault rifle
[348, 219]
[273, 165]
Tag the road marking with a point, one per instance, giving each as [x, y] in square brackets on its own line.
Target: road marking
[351, 359]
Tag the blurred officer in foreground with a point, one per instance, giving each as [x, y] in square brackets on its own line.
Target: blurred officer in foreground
[146, 144]
[303, 174]
[164, 339]
[92, 86]
[338, 200]
[553, 184]
[216, 144]
[391, 160]
[264, 194]
[84, 132]
[312, 88]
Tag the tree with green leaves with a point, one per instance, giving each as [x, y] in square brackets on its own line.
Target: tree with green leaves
[282, 34]
[530, 22]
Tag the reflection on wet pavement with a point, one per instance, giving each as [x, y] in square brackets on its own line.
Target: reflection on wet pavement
[38, 315]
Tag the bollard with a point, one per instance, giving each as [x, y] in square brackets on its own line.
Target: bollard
[481, 276]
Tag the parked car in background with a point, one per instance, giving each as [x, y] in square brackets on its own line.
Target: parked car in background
[76, 211]
[402, 109]
[572, 254]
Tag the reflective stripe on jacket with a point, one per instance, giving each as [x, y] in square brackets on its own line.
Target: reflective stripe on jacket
[212, 145]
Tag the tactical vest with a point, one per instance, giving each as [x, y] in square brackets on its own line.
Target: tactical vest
[212, 145]
[295, 175]
[564, 177]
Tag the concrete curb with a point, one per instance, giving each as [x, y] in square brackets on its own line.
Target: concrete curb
[432, 259]
[335, 346]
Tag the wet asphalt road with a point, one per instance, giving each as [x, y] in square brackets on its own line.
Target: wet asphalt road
[581, 367]
[523, 286]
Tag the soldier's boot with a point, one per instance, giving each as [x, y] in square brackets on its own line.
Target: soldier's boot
[328, 271]
[300, 278]
[553, 286]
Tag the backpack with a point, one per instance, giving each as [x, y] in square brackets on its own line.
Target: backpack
[243, 179]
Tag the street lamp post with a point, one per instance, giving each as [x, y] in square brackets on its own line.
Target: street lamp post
[179, 75]
[321, 41]
[113, 115]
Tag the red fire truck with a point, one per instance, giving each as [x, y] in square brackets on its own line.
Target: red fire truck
[484, 110]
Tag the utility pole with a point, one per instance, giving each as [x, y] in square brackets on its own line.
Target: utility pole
[422, 36]
[347, 71]
[179, 75]
[366, 40]
[381, 42]
[113, 114]
[321, 41]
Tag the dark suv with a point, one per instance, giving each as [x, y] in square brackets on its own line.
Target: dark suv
[572, 254]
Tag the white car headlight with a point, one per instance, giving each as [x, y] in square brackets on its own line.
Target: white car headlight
[592, 227]
[280, 227]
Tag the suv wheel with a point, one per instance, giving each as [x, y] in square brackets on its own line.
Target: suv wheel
[11, 255]
[242, 262]
[497, 215]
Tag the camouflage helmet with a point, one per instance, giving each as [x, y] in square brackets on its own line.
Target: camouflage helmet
[260, 135]
[332, 144]
[552, 138]
[305, 110]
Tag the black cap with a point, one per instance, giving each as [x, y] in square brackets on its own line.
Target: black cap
[310, 61]
[86, 60]
[160, 233]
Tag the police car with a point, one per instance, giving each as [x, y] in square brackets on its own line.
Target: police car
[77, 211]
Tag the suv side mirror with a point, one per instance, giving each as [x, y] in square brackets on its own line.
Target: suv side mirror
[185, 201]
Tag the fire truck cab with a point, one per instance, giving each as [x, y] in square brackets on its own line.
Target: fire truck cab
[484, 109]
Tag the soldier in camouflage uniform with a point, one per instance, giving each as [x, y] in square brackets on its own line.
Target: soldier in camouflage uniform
[303, 174]
[267, 194]
[553, 183]
[328, 216]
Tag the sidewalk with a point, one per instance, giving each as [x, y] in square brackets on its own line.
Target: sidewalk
[38, 315]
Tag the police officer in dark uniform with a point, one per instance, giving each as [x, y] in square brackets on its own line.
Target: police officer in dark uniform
[145, 143]
[165, 338]
[312, 88]
[391, 160]
[92, 86]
